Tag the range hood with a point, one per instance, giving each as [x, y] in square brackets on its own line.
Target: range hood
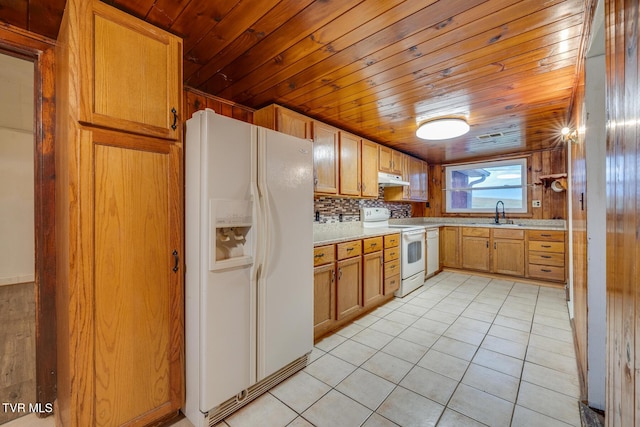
[390, 180]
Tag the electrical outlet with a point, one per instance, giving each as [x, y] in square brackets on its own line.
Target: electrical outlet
[536, 203]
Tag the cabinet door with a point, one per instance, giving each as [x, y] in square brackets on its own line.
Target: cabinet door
[133, 77]
[372, 285]
[349, 287]
[385, 160]
[475, 253]
[293, 123]
[424, 182]
[350, 168]
[325, 158]
[396, 162]
[136, 287]
[369, 169]
[449, 247]
[324, 298]
[508, 257]
[415, 170]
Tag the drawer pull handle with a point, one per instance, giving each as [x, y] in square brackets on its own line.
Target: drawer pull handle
[339, 273]
[350, 249]
[320, 255]
[546, 246]
[545, 256]
[333, 276]
[545, 270]
[374, 244]
[545, 235]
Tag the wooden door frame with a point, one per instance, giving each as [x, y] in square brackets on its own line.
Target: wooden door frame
[40, 50]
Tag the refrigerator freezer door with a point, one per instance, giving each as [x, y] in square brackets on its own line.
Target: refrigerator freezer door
[285, 290]
[220, 305]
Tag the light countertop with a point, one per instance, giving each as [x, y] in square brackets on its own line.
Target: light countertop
[326, 234]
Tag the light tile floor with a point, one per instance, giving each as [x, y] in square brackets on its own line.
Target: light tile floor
[463, 350]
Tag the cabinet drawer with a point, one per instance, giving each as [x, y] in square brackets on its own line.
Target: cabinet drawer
[546, 272]
[549, 236]
[372, 244]
[501, 233]
[546, 246]
[391, 240]
[391, 254]
[391, 284]
[391, 268]
[476, 231]
[323, 255]
[546, 258]
[349, 249]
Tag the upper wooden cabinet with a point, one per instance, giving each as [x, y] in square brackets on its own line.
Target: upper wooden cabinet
[418, 179]
[390, 160]
[129, 73]
[350, 164]
[369, 166]
[283, 120]
[325, 158]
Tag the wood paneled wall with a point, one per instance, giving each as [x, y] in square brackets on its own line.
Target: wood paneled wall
[553, 204]
[195, 100]
[579, 233]
[623, 209]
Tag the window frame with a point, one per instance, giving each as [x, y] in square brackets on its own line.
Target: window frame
[448, 172]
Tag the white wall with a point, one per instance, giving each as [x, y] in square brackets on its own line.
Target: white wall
[16, 171]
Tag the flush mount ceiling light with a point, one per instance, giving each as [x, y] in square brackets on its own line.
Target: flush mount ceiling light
[444, 128]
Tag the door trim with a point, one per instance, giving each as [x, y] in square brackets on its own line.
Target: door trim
[40, 50]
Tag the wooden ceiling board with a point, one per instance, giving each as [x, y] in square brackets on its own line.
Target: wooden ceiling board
[319, 46]
[323, 78]
[16, 13]
[375, 68]
[311, 18]
[221, 44]
[437, 50]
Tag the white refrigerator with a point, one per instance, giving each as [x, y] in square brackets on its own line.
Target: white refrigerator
[249, 271]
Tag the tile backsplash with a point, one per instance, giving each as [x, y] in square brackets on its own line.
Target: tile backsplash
[341, 209]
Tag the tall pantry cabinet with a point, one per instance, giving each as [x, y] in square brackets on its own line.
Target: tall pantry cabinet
[119, 219]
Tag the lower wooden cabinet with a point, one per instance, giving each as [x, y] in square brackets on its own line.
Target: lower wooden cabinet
[372, 282]
[475, 248]
[546, 255]
[352, 278]
[372, 271]
[324, 297]
[348, 287]
[450, 247]
[536, 254]
[508, 252]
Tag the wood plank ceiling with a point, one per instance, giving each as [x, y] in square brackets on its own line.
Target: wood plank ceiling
[377, 68]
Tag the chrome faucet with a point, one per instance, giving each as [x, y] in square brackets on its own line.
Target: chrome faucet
[497, 218]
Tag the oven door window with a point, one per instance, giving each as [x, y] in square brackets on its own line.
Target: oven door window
[414, 252]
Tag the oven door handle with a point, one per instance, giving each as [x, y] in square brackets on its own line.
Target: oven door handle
[414, 233]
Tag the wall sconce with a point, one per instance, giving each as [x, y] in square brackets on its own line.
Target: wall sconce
[569, 135]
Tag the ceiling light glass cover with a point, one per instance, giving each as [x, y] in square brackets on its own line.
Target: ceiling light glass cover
[442, 128]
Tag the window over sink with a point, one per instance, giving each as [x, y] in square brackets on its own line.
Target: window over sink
[477, 187]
